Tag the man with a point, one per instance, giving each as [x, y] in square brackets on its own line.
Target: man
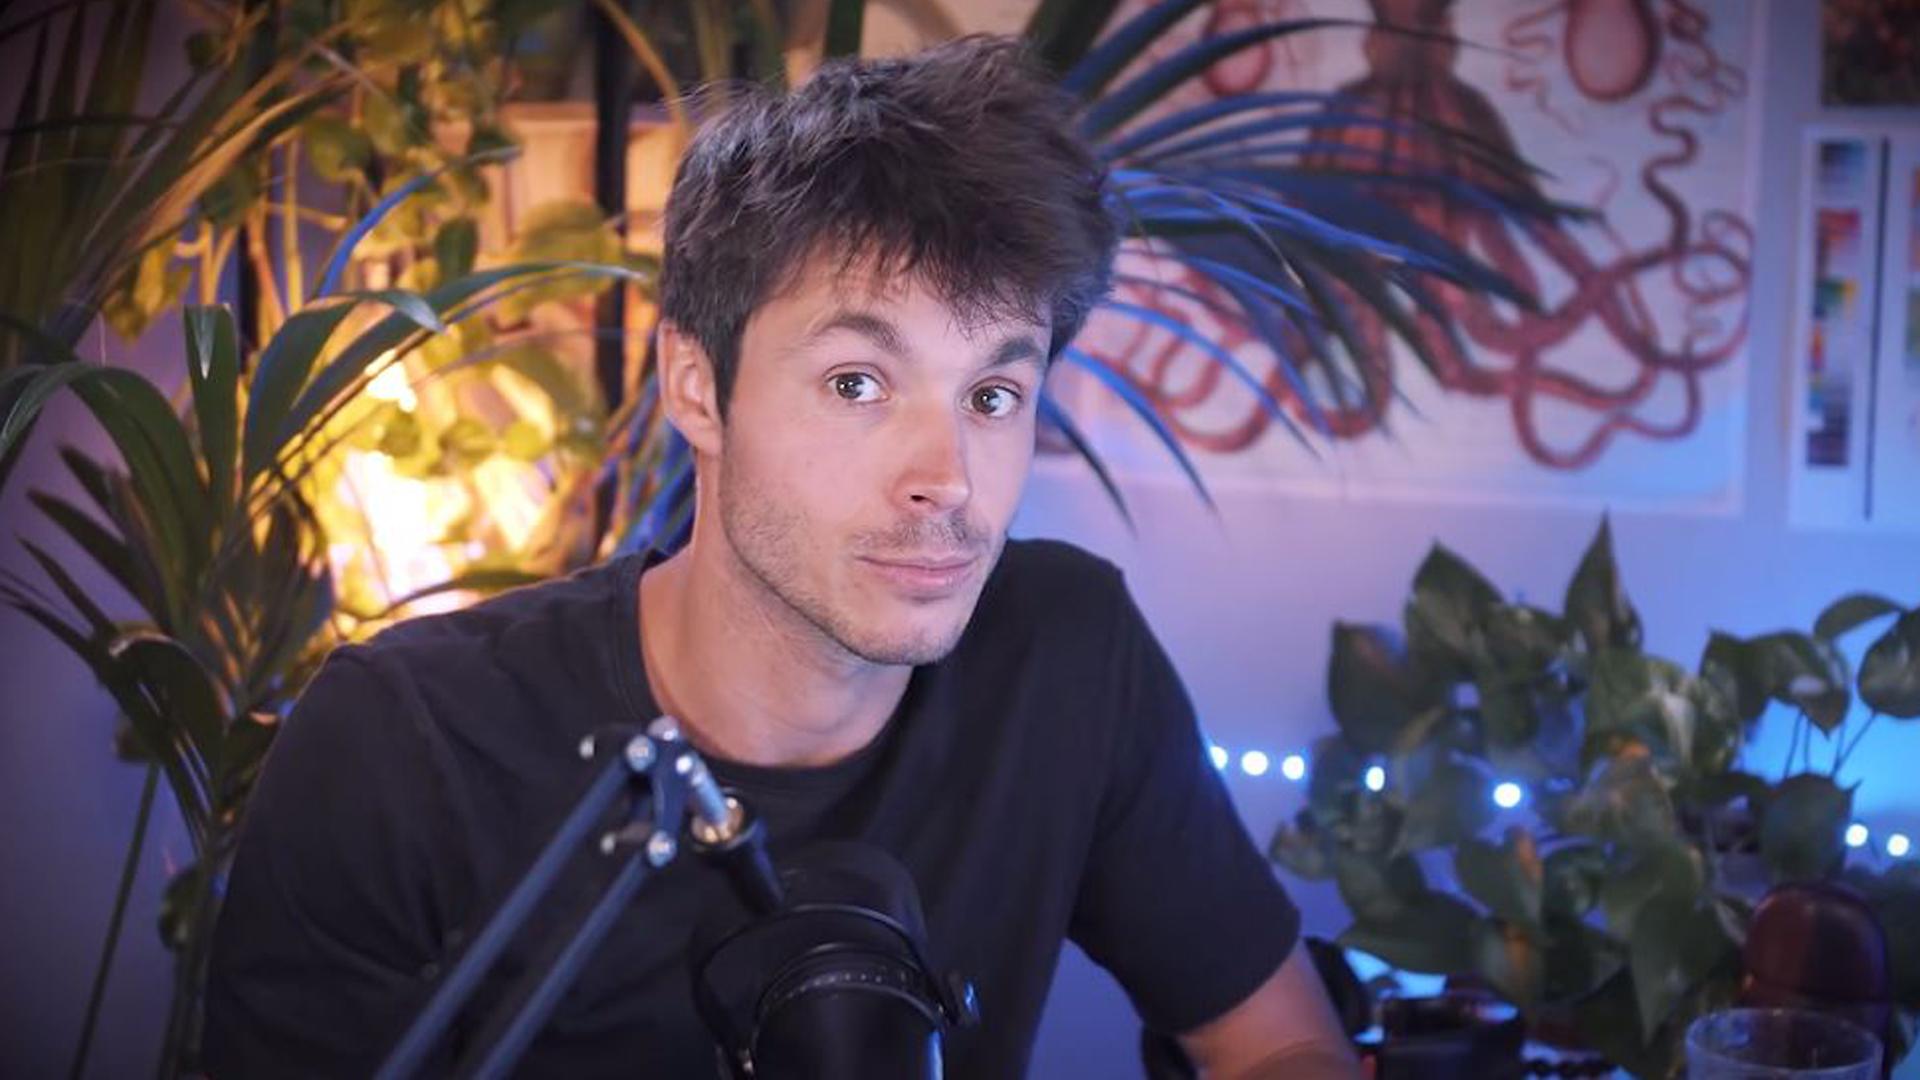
[864, 284]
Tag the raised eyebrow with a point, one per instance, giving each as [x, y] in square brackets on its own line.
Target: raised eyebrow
[872, 327]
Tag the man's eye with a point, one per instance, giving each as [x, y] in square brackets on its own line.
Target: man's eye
[856, 386]
[996, 401]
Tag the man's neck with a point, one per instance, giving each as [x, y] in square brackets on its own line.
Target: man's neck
[746, 676]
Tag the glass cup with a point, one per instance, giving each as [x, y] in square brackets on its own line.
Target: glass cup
[1763, 1044]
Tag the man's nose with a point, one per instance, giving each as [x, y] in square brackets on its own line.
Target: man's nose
[933, 476]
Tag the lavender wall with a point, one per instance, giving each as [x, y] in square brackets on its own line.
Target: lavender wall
[1243, 604]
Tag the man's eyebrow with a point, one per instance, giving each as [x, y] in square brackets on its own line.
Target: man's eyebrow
[1015, 349]
[887, 337]
[870, 326]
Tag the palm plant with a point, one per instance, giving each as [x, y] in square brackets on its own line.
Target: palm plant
[94, 192]
[210, 533]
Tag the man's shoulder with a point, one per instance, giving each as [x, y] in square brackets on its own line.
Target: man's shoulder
[508, 652]
[1056, 569]
[1047, 589]
[479, 627]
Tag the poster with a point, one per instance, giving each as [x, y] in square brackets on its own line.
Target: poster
[1627, 387]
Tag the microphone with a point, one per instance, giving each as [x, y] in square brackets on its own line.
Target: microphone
[829, 976]
[835, 982]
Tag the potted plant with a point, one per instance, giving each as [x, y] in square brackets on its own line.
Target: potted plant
[1617, 902]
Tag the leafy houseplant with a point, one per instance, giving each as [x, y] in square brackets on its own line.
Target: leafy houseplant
[1620, 906]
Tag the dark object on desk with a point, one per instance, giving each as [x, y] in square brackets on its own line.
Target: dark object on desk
[1818, 945]
[1456, 1035]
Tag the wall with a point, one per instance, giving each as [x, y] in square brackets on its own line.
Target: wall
[1244, 604]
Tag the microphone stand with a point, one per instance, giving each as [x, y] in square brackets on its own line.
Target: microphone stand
[675, 781]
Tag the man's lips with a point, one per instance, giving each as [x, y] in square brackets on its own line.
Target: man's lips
[924, 576]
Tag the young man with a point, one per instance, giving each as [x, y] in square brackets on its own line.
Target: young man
[864, 284]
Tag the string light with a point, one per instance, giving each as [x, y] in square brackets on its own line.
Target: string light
[1219, 755]
[1857, 835]
[1375, 778]
[1507, 794]
[1898, 845]
[1294, 767]
[1253, 763]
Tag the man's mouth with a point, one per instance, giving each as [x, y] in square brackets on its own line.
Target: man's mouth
[923, 576]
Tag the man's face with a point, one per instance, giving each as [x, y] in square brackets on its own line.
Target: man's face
[874, 450]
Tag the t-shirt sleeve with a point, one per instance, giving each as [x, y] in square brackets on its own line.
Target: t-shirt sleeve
[1176, 900]
[334, 916]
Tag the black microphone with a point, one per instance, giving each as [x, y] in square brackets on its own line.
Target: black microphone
[832, 982]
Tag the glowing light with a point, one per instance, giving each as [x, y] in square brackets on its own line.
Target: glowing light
[1293, 767]
[1253, 763]
[1857, 835]
[1219, 755]
[391, 384]
[1375, 778]
[1898, 845]
[1508, 794]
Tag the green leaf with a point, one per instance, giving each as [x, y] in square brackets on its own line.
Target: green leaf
[1803, 830]
[1808, 673]
[1452, 804]
[1744, 669]
[1300, 847]
[185, 693]
[1508, 879]
[1850, 612]
[1375, 888]
[1579, 959]
[1676, 943]
[1637, 876]
[1890, 672]
[1336, 778]
[1623, 801]
[335, 149]
[1512, 959]
[484, 580]
[213, 366]
[284, 367]
[1371, 686]
[1571, 877]
[104, 548]
[455, 246]
[1633, 697]
[1449, 608]
[1435, 935]
[1597, 604]
[1061, 31]
[844, 26]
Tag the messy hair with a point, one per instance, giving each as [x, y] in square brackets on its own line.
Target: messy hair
[958, 165]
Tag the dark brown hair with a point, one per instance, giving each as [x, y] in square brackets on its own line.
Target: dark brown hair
[958, 165]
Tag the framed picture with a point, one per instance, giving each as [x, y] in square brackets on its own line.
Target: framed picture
[1854, 435]
[1870, 52]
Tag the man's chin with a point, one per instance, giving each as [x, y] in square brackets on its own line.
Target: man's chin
[908, 647]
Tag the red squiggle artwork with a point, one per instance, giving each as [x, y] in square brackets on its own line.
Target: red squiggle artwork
[1632, 322]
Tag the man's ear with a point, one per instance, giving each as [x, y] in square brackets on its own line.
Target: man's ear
[688, 390]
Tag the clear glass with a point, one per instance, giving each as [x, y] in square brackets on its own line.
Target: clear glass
[1761, 1044]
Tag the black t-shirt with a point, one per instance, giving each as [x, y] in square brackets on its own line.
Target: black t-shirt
[1044, 781]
